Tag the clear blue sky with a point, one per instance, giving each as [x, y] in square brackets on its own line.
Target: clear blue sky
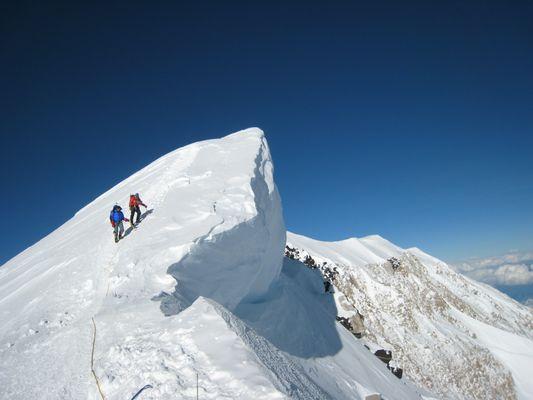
[413, 120]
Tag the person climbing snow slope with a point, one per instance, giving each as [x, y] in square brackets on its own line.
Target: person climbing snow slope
[135, 203]
[116, 217]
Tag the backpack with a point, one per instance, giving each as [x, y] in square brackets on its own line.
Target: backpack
[133, 201]
[117, 216]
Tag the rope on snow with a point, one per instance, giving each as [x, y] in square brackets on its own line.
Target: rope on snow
[92, 362]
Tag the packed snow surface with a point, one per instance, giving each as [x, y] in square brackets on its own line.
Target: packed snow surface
[452, 335]
[197, 294]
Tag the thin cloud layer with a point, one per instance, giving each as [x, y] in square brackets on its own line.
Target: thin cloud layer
[510, 269]
[507, 274]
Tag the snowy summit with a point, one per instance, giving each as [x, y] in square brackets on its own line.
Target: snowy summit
[197, 291]
[203, 298]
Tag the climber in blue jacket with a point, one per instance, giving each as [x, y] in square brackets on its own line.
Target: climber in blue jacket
[116, 217]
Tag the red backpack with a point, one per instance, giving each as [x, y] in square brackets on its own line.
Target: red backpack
[133, 201]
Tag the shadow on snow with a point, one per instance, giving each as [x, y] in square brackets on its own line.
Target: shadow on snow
[295, 315]
[143, 216]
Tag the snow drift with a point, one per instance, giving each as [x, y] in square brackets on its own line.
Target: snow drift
[197, 293]
[238, 195]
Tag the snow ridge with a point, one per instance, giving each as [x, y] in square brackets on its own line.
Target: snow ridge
[198, 291]
[429, 316]
[247, 273]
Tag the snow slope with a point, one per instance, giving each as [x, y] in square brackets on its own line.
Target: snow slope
[452, 335]
[199, 292]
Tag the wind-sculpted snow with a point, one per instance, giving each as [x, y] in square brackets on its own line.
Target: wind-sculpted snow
[196, 293]
[240, 255]
[450, 334]
[197, 194]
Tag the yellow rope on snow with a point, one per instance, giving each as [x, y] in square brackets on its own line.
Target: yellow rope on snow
[92, 362]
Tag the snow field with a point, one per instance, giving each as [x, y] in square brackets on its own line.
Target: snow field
[198, 289]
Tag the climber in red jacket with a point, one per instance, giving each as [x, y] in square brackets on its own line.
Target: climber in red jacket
[135, 203]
